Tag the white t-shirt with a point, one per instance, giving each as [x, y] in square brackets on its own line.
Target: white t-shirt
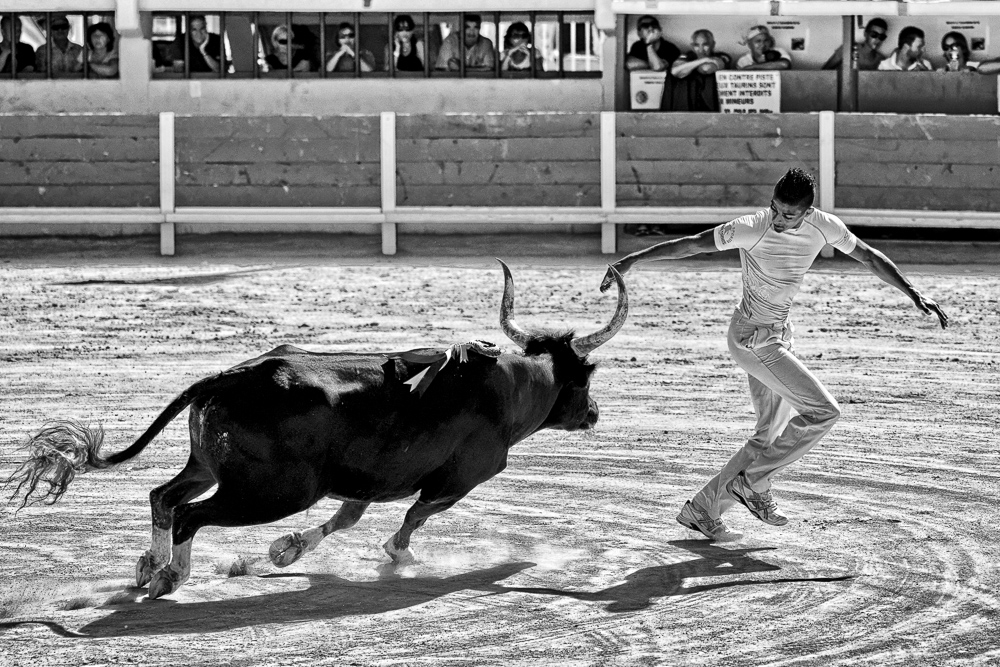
[891, 65]
[775, 263]
[747, 58]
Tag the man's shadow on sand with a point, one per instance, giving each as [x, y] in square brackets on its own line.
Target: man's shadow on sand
[330, 597]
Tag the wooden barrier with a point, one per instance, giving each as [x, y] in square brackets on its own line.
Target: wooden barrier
[918, 162]
[278, 161]
[498, 160]
[703, 159]
[79, 161]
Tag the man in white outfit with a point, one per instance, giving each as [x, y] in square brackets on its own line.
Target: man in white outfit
[777, 246]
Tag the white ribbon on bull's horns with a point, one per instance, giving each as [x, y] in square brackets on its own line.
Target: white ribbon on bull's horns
[582, 345]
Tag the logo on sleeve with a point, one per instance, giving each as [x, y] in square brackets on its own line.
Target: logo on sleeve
[728, 232]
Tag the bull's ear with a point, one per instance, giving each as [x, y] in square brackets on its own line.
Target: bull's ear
[587, 344]
[510, 328]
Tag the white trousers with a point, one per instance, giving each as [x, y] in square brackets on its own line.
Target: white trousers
[778, 383]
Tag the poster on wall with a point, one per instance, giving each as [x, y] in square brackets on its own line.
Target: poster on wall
[647, 89]
[749, 92]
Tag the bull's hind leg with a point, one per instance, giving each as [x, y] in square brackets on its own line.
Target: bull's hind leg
[191, 482]
[289, 548]
[398, 546]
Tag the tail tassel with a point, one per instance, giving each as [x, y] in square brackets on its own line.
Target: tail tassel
[56, 454]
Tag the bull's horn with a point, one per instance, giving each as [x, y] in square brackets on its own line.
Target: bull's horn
[510, 328]
[587, 344]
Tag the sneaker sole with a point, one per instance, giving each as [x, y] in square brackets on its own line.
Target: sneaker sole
[743, 501]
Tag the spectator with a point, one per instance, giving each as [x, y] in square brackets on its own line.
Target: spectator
[762, 54]
[867, 50]
[989, 66]
[956, 54]
[518, 51]
[479, 51]
[407, 50]
[347, 47]
[278, 59]
[21, 52]
[205, 47]
[691, 86]
[102, 58]
[67, 56]
[651, 51]
[909, 56]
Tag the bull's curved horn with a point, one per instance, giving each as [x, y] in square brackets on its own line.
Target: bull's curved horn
[587, 344]
[510, 328]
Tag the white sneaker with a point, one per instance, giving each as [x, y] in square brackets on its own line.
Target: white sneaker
[712, 528]
[761, 505]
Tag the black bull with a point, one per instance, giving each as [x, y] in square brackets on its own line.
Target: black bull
[280, 432]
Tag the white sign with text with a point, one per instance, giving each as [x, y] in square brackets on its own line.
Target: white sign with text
[749, 92]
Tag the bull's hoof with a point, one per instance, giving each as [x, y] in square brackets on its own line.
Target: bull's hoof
[400, 557]
[145, 568]
[164, 582]
[287, 549]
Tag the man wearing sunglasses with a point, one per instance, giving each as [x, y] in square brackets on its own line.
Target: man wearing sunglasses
[777, 247]
[867, 49]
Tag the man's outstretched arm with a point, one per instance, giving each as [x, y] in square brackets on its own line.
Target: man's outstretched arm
[883, 267]
[674, 249]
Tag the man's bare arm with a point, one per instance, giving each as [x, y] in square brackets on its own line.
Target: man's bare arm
[673, 249]
[883, 267]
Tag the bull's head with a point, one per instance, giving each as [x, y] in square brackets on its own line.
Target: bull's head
[574, 408]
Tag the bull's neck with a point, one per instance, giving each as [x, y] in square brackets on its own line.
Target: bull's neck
[533, 392]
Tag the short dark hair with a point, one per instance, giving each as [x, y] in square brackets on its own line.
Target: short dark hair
[647, 21]
[106, 29]
[403, 22]
[474, 18]
[877, 22]
[959, 39]
[796, 188]
[908, 34]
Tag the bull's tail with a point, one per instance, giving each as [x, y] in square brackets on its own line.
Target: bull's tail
[63, 448]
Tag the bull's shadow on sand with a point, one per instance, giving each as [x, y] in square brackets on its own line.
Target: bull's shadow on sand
[330, 597]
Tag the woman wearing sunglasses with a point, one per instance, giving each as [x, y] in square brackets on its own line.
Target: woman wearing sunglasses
[867, 49]
[956, 54]
[347, 50]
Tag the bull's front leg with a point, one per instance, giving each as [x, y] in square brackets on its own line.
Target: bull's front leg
[289, 548]
[398, 546]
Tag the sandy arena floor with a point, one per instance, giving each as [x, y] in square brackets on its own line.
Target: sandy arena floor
[570, 556]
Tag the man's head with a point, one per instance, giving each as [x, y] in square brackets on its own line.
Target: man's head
[703, 43]
[911, 40]
[199, 29]
[875, 32]
[473, 24]
[793, 196]
[5, 28]
[758, 39]
[59, 28]
[647, 25]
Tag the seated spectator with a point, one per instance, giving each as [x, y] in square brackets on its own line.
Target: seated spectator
[867, 50]
[691, 86]
[956, 54]
[204, 47]
[23, 53]
[651, 51]
[346, 47]
[479, 51]
[407, 49]
[102, 57]
[302, 59]
[908, 57]
[67, 56]
[518, 51]
[762, 54]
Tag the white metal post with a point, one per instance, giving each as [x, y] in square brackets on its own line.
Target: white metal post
[167, 181]
[388, 180]
[609, 160]
[827, 168]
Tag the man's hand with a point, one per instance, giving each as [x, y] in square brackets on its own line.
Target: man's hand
[652, 35]
[930, 306]
[621, 266]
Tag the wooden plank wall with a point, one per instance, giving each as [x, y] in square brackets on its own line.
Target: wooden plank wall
[708, 159]
[498, 160]
[105, 161]
[938, 163]
[294, 161]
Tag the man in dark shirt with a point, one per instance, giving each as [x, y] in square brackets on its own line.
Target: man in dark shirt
[651, 51]
[23, 53]
[692, 86]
